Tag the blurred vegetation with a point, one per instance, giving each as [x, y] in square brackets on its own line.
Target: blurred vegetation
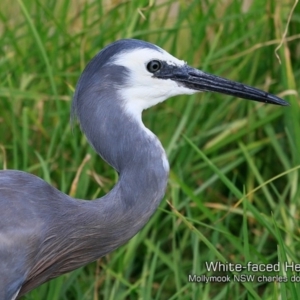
[234, 190]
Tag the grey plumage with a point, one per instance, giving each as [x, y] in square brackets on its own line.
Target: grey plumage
[44, 232]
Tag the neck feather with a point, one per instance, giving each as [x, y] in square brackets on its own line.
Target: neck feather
[136, 153]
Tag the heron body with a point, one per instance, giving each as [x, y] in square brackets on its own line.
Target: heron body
[45, 233]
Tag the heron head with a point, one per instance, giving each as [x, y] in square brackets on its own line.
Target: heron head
[142, 75]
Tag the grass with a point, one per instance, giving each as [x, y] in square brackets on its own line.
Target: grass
[233, 193]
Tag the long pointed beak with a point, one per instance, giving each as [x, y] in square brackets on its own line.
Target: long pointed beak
[201, 81]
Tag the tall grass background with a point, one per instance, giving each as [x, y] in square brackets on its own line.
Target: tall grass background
[233, 194]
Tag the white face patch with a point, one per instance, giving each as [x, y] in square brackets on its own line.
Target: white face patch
[143, 90]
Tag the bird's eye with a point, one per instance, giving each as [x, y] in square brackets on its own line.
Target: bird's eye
[153, 66]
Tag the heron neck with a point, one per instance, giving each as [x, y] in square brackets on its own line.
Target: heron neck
[140, 160]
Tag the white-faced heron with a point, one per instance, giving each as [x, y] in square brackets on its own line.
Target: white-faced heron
[45, 233]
